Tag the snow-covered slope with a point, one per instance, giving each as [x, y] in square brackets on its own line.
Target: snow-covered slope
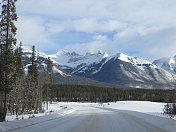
[168, 64]
[131, 71]
[74, 61]
[41, 61]
[140, 63]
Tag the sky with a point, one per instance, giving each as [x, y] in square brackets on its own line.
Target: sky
[140, 28]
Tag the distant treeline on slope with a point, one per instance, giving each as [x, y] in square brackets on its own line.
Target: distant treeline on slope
[83, 93]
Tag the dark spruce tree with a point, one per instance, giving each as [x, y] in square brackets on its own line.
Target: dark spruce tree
[32, 69]
[33, 83]
[17, 94]
[48, 78]
[7, 41]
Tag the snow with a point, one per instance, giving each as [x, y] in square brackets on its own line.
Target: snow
[172, 63]
[51, 108]
[147, 107]
[65, 58]
[58, 111]
[133, 60]
[140, 63]
[168, 64]
[56, 70]
[153, 108]
[160, 61]
[28, 49]
[140, 112]
[139, 106]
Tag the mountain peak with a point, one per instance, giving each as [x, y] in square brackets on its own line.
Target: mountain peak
[100, 52]
[62, 52]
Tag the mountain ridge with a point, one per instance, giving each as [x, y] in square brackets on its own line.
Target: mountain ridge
[118, 69]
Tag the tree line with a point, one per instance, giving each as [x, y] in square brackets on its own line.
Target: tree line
[84, 93]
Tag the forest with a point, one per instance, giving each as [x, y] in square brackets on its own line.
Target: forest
[83, 93]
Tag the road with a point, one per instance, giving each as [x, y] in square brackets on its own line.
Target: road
[91, 119]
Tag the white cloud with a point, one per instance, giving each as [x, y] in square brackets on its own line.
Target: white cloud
[100, 37]
[32, 30]
[95, 25]
[139, 25]
[152, 43]
[133, 32]
[89, 25]
[93, 46]
[136, 11]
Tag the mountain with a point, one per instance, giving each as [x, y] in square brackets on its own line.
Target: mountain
[73, 62]
[118, 69]
[59, 75]
[168, 64]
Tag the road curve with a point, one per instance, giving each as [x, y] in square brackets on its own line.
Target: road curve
[91, 119]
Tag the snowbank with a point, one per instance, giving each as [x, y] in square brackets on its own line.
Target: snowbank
[12, 125]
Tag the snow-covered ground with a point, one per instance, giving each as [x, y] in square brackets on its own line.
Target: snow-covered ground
[54, 107]
[152, 108]
[73, 113]
[54, 111]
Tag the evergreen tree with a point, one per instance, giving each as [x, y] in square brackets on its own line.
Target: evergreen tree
[7, 41]
[17, 95]
[48, 77]
[33, 82]
[32, 69]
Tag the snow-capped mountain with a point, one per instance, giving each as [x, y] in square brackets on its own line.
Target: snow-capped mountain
[73, 61]
[168, 64]
[59, 75]
[118, 69]
[131, 71]
[41, 61]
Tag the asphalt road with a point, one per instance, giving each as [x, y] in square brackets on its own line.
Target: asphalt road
[90, 119]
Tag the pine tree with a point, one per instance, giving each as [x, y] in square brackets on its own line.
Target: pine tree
[17, 97]
[32, 69]
[7, 41]
[33, 82]
[48, 77]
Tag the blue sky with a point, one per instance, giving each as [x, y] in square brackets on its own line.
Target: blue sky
[142, 28]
